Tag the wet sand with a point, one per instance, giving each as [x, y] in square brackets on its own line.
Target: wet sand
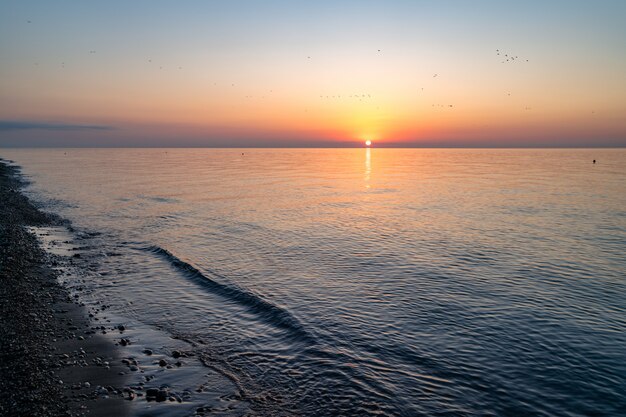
[53, 361]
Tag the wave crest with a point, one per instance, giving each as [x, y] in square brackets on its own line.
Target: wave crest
[269, 312]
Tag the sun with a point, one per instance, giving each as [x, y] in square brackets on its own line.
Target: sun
[368, 142]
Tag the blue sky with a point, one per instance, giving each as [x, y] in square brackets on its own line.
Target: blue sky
[201, 73]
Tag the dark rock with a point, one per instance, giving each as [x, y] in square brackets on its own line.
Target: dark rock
[159, 395]
[162, 395]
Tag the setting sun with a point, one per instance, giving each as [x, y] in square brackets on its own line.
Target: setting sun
[368, 142]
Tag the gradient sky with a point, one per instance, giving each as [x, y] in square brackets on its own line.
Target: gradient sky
[304, 73]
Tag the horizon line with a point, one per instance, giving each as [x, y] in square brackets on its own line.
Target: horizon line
[317, 147]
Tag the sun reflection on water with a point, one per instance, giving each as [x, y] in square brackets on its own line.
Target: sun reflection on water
[368, 166]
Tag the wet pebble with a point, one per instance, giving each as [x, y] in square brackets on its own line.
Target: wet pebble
[158, 395]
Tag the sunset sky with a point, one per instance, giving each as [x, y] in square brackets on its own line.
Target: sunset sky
[304, 73]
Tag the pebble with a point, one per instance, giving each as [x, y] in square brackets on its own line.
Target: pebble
[158, 395]
[161, 395]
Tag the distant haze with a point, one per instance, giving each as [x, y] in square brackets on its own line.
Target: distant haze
[319, 74]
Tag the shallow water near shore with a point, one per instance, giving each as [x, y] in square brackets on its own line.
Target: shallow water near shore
[363, 281]
[148, 358]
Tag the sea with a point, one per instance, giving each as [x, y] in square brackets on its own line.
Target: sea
[354, 282]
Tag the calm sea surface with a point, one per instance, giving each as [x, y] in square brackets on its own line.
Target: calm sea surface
[367, 282]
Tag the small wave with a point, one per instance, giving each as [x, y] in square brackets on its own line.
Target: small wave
[271, 313]
[158, 199]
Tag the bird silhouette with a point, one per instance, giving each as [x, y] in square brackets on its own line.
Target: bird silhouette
[509, 58]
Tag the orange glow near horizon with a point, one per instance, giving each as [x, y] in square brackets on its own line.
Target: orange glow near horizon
[311, 80]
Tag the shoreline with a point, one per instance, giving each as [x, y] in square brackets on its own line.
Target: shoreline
[51, 358]
[65, 354]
